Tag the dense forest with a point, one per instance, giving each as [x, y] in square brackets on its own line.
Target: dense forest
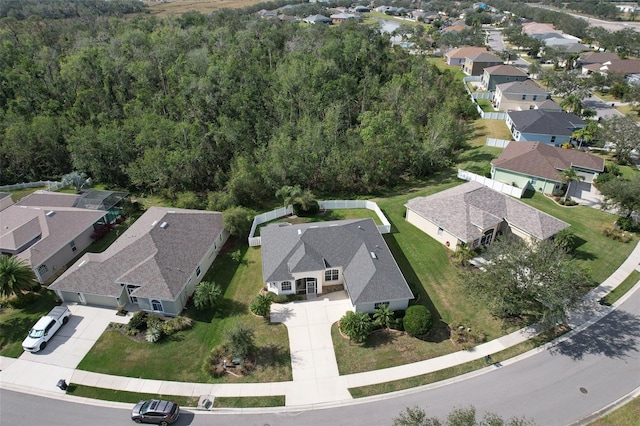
[222, 103]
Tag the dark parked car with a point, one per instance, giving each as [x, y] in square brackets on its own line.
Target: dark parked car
[156, 412]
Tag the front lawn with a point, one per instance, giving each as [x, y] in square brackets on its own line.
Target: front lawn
[125, 396]
[16, 323]
[182, 357]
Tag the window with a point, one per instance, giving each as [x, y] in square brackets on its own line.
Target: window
[440, 231]
[42, 269]
[331, 275]
[535, 97]
[379, 304]
[524, 97]
[553, 139]
[198, 271]
[72, 244]
[156, 305]
[285, 286]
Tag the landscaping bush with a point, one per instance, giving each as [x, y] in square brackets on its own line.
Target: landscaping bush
[23, 300]
[240, 341]
[627, 224]
[261, 305]
[309, 208]
[566, 240]
[154, 333]
[356, 325]
[138, 321]
[176, 324]
[285, 298]
[417, 321]
[614, 233]
[557, 193]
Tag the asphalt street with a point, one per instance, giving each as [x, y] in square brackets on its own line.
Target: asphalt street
[557, 386]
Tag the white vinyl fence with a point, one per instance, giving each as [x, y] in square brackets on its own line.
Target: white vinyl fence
[493, 184]
[493, 115]
[51, 185]
[498, 143]
[385, 228]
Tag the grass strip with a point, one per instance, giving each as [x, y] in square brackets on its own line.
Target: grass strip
[626, 415]
[447, 373]
[622, 289]
[125, 396]
[248, 401]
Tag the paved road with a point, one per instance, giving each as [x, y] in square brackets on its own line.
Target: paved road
[603, 109]
[594, 22]
[558, 386]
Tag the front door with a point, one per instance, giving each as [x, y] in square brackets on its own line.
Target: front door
[311, 286]
[306, 286]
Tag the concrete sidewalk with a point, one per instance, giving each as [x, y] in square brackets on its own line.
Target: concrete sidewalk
[314, 383]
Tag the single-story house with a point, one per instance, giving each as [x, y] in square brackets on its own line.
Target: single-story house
[472, 214]
[317, 19]
[155, 265]
[458, 55]
[475, 64]
[622, 67]
[315, 258]
[519, 96]
[492, 76]
[338, 18]
[538, 166]
[5, 200]
[49, 229]
[553, 128]
[596, 58]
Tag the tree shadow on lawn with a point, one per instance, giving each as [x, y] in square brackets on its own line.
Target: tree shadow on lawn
[418, 289]
[273, 356]
[615, 336]
[380, 338]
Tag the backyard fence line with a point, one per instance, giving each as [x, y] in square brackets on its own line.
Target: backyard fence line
[493, 184]
[51, 185]
[493, 115]
[498, 143]
[385, 228]
[483, 95]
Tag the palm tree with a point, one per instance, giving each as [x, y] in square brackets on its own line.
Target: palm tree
[16, 276]
[568, 176]
[383, 316]
[289, 193]
[586, 134]
[207, 295]
[572, 103]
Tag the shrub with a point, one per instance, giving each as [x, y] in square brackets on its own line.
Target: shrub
[566, 240]
[154, 333]
[356, 325]
[261, 305]
[176, 324]
[240, 340]
[627, 224]
[612, 232]
[189, 200]
[22, 300]
[138, 321]
[207, 295]
[417, 321]
[308, 208]
[557, 192]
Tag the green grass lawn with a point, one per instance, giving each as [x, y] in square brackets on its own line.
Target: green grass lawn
[188, 350]
[338, 214]
[18, 194]
[249, 401]
[485, 104]
[125, 396]
[16, 323]
[597, 253]
[626, 415]
[442, 66]
[623, 288]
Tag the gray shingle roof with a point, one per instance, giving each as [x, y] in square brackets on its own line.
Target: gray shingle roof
[345, 243]
[467, 210]
[544, 161]
[546, 122]
[49, 199]
[156, 258]
[484, 57]
[505, 70]
[522, 87]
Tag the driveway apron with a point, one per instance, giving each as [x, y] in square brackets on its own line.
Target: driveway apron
[313, 360]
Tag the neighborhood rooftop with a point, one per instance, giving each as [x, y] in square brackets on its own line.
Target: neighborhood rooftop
[370, 271]
[527, 86]
[466, 210]
[505, 70]
[545, 122]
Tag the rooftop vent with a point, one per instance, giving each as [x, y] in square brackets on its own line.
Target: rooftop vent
[154, 223]
[164, 225]
[50, 213]
[374, 255]
[299, 231]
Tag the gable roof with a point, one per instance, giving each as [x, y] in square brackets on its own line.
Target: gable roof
[465, 211]
[463, 52]
[597, 57]
[159, 252]
[549, 105]
[546, 122]
[505, 70]
[525, 86]
[484, 57]
[621, 66]
[49, 199]
[544, 161]
[289, 249]
[36, 233]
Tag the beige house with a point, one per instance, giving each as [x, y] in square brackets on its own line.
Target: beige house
[154, 266]
[458, 55]
[521, 95]
[475, 64]
[473, 214]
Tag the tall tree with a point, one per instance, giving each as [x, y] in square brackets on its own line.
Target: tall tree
[521, 279]
[16, 276]
[622, 194]
[623, 135]
[568, 175]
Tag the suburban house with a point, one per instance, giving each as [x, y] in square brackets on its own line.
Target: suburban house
[49, 229]
[338, 18]
[317, 19]
[498, 74]
[5, 200]
[539, 166]
[550, 127]
[474, 215]
[621, 67]
[475, 64]
[596, 58]
[522, 95]
[457, 56]
[154, 266]
[455, 29]
[320, 257]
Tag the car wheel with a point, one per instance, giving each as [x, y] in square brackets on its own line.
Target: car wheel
[163, 423]
[65, 320]
[137, 420]
[43, 345]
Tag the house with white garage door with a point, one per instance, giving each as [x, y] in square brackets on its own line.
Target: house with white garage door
[474, 215]
[154, 266]
[320, 257]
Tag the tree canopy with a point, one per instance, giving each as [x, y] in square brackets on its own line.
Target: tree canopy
[16, 276]
[536, 280]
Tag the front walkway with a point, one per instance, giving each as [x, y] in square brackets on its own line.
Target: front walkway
[313, 361]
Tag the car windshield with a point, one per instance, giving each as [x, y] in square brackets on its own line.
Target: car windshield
[36, 333]
[145, 407]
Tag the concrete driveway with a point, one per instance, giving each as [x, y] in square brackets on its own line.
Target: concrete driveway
[313, 360]
[603, 109]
